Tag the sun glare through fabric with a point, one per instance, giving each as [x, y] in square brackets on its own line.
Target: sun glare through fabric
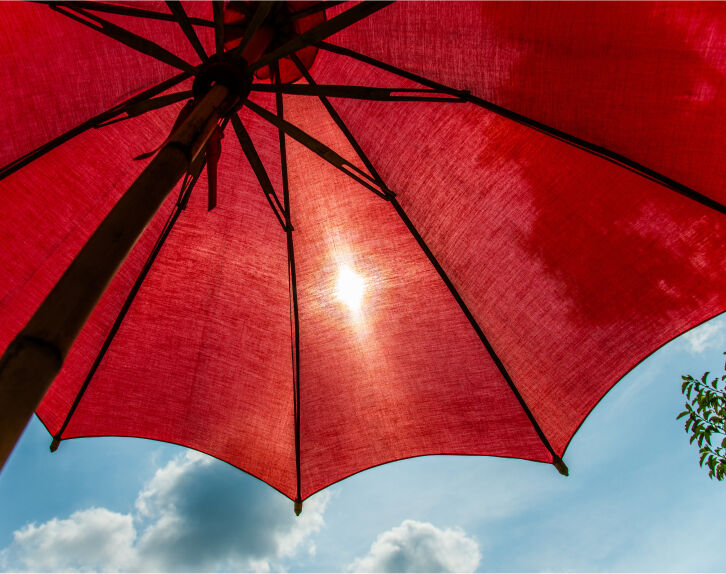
[349, 288]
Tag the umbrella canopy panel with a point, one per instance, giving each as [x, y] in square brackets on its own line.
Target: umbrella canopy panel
[58, 73]
[208, 334]
[564, 268]
[410, 375]
[574, 267]
[644, 79]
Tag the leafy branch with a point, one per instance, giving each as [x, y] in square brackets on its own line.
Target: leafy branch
[706, 420]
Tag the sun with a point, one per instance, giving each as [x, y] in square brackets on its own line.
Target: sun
[349, 288]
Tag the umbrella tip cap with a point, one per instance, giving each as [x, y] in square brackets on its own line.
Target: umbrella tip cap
[55, 443]
[561, 466]
[298, 507]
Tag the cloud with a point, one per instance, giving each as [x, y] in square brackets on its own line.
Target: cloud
[711, 335]
[88, 540]
[199, 516]
[195, 514]
[420, 547]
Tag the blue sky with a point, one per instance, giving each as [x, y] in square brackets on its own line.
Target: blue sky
[635, 500]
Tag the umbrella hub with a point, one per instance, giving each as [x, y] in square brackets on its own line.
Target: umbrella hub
[285, 21]
[226, 69]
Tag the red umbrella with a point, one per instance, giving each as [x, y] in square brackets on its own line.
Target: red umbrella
[437, 228]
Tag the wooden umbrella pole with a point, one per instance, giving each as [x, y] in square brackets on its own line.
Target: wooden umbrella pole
[36, 355]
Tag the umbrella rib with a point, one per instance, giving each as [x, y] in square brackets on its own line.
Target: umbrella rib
[584, 145]
[319, 7]
[263, 9]
[181, 17]
[258, 167]
[293, 288]
[181, 204]
[122, 35]
[557, 461]
[94, 122]
[343, 127]
[218, 14]
[148, 105]
[364, 92]
[319, 148]
[321, 31]
[129, 11]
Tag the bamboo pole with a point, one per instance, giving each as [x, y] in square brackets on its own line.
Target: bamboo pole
[36, 355]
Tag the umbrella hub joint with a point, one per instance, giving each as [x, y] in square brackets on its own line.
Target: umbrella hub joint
[227, 69]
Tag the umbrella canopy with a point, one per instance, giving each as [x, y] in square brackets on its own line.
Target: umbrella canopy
[462, 261]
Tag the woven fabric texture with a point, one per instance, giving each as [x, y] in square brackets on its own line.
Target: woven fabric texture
[573, 267]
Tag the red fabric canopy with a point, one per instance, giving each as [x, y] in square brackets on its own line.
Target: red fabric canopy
[573, 267]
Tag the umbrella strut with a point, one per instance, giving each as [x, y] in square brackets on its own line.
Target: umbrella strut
[36, 355]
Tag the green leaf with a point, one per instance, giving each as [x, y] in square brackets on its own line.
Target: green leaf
[706, 409]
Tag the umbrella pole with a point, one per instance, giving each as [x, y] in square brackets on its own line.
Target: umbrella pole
[36, 355]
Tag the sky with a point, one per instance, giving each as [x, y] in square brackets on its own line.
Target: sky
[635, 501]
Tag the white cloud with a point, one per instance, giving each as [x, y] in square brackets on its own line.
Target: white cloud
[711, 335]
[87, 541]
[196, 514]
[420, 547]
